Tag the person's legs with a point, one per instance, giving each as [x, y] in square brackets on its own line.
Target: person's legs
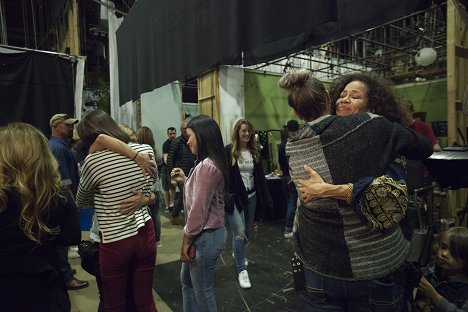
[189, 302]
[250, 215]
[142, 269]
[154, 211]
[172, 194]
[291, 212]
[178, 206]
[323, 294]
[66, 270]
[237, 224]
[113, 265]
[329, 294]
[64, 265]
[209, 246]
[383, 295]
[169, 190]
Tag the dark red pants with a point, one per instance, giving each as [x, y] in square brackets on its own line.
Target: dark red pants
[127, 266]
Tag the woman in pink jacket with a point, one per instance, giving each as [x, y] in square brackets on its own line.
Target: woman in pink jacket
[204, 228]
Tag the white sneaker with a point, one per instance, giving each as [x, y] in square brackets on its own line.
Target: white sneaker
[246, 262]
[288, 234]
[244, 280]
[73, 253]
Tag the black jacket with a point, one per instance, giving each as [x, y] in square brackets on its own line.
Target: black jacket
[180, 156]
[236, 188]
[30, 272]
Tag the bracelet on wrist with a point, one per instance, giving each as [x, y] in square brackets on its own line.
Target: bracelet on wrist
[349, 194]
[134, 157]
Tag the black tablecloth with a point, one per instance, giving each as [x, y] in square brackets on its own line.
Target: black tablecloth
[449, 168]
[278, 191]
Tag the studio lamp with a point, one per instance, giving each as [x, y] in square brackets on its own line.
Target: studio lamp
[425, 56]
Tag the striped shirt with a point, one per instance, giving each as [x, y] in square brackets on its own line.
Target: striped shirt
[107, 179]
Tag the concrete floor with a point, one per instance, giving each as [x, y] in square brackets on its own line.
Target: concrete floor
[268, 254]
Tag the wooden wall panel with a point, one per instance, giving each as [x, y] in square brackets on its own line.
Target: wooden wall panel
[457, 82]
[208, 94]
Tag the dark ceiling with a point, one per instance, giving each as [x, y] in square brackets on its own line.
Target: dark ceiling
[390, 49]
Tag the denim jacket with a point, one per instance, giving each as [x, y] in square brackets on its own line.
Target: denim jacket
[454, 291]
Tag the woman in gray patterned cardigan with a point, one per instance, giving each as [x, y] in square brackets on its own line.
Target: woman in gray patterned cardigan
[348, 265]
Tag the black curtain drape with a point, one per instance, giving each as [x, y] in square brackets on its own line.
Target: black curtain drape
[34, 86]
[165, 40]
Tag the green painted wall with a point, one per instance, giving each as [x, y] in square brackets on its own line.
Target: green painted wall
[267, 108]
[430, 97]
[266, 104]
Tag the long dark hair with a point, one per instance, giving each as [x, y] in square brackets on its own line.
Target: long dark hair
[209, 142]
[458, 244]
[382, 97]
[98, 122]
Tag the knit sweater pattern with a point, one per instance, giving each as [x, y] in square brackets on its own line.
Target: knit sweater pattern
[330, 238]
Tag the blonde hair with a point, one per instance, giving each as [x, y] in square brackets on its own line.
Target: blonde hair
[235, 147]
[29, 169]
[145, 136]
[129, 131]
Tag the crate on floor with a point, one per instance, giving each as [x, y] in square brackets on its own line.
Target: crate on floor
[86, 218]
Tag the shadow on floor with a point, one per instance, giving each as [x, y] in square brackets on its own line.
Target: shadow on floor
[269, 270]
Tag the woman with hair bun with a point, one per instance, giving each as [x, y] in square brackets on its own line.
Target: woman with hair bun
[341, 150]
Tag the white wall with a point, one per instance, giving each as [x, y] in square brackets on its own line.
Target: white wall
[231, 94]
[161, 109]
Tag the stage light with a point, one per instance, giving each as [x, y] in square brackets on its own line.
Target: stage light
[425, 56]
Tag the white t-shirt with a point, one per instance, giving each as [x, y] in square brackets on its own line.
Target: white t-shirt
[246, 168]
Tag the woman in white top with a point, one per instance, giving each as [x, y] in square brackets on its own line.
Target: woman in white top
[246, 191]
[127, 251]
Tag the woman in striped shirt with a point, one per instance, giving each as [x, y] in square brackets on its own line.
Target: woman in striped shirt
[127, 251]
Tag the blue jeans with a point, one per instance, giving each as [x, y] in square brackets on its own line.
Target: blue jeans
[241, 224]
[250, 215]
[154, 212]
[236, 221]
[196, 277]
[292, 206]
[330, 294]
[64, 265]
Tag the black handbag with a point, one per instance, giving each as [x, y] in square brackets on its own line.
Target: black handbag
[229, 201]
[89, 253]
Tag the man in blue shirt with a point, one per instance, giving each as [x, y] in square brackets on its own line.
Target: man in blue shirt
[62, 130]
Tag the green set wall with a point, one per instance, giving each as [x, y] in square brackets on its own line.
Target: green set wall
[267, 108]
[429, 97]
[266, 105]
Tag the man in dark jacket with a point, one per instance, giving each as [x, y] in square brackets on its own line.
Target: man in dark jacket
[179, 156]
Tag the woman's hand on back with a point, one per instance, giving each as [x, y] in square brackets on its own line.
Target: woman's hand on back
[312, 188]
[147, 163]
[133, 203]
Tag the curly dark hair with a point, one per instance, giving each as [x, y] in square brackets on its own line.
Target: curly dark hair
[382, 97]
